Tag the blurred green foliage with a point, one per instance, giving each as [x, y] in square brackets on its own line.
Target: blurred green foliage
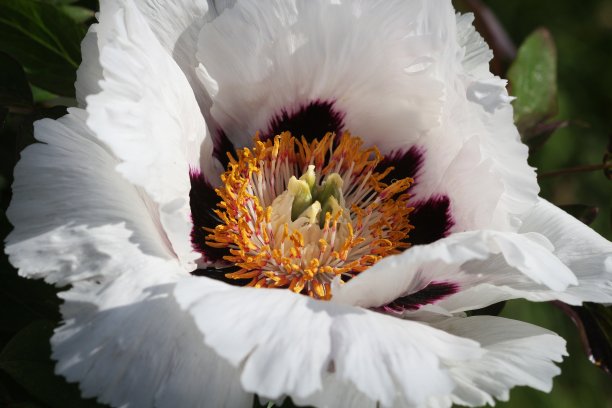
[582, 31]
[580, 384]
[533, 81]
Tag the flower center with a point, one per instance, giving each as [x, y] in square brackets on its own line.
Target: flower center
[297, 214]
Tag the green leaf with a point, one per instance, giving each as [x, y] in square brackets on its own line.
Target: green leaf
[533, 80]
[60, 2]
[45, 40]
[26, 359]
[78, 14]
[14, 88]
[41, 96]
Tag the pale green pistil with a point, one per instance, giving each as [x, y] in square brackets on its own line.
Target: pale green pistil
[306, 193]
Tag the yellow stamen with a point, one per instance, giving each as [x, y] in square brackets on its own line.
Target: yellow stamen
[337, 219]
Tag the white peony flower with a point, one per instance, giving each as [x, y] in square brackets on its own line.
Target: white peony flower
[332, 268]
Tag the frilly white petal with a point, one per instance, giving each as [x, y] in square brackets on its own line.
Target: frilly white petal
[67, 196]
[176, 26]
[486, 90]
[490, 94]
[127, 342]
[89, 74]
[517, 353]
[280, 342]
[494, 169]
[367, 57]
[286, 343]
[337, 393]
[476, 54]
[404, 358]
[80, 223]
[148, 116]
[470, 174]
[463, 259]
[476, 106]
[584, 251]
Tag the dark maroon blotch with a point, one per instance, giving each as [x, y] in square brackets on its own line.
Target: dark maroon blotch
[405, 163]
[221, 147]
[432, 293]
[432, 220]
[219, 274]
[312, 121]
[203, 201]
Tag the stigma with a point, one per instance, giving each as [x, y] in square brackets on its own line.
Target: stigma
[301, 215]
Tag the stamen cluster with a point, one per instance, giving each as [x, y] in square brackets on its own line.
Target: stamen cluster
[338, 219]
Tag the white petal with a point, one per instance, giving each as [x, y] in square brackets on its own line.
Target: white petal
[128, 343]
[282, 341]
[578, 247]
[66, 197]
[516, 354]
[585, 252]
[491, 117]
[147, 115]
[396, 357]
[492, 175]
[490, 94]
[367, 57]
[337, 393]
[78, 222]
[476, 52]
[177, 24]
[476, 106]
[486, 90]
[285, 343]
[465, 260]
[89, 73]
[468, 175]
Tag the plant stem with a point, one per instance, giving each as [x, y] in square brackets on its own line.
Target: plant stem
[578, 169]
